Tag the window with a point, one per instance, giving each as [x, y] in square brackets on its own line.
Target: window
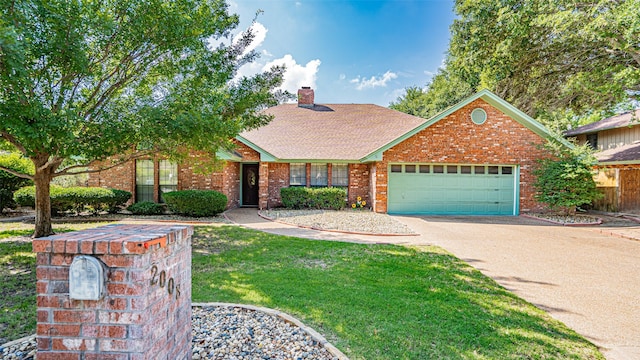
[340, 175]
[297, 174]
[424, 169]
[452, 169]
[478, 169]
[396, 168]
[465, 169]
[146, 186]
[592, 140]
[438, 169]
[144, 180]
[410, 169]
[319, 175]
[478, 116]
[168, 177]
[507, 170]
[493, 170]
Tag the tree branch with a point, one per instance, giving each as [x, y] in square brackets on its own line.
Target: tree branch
[133, 156]
[18, 174]
[13, 141]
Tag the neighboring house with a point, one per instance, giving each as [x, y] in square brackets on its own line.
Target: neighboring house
[617, 144]
[475, 158]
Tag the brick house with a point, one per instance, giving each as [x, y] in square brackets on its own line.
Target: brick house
[474, 158]
[617, 143]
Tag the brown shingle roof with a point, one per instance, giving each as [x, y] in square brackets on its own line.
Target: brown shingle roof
[330, 132]
[625, 153]
[614, 122]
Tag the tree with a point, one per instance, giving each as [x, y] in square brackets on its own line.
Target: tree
[86, 81]
[444, 90]
[546, 57]
[566, 180]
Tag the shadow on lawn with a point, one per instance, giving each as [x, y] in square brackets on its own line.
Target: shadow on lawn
[379, 301]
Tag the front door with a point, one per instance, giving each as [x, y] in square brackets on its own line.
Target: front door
[249, 184]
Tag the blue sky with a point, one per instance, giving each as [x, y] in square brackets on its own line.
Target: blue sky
[365, 51]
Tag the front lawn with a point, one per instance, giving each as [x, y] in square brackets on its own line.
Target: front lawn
[371, 301]
[379, 301]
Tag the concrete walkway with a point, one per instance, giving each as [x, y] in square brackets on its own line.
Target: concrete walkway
[586, 277]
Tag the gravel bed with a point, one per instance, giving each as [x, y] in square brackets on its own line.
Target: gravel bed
[237, 333]
[360, 221]
[225, 332]
[568, 219]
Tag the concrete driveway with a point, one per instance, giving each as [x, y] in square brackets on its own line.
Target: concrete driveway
[581, 276]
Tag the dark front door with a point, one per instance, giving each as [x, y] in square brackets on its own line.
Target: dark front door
[250, 184]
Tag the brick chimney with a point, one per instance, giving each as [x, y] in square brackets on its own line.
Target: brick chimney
[305, 97]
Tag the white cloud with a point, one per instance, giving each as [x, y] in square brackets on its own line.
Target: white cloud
[296, 75]
[373, 82]
[259, 32]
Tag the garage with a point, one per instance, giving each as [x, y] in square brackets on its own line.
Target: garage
[452, 189]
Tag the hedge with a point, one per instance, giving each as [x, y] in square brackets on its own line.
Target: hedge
[9, 183]
[76, 198]
[313, 198]
[195, 203]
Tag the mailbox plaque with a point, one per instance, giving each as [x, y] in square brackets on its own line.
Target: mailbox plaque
[86, 278]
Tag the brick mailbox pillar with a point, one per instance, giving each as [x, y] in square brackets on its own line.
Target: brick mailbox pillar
[115, 292]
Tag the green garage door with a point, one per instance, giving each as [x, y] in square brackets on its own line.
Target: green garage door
[444, 189]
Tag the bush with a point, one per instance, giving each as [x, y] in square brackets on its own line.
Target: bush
[146, 208]
[76, 198]
[196, 203]
[120, 197]
[10, 183]
[313, 198]
[566, 181]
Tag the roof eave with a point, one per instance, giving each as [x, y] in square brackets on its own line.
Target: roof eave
[620, 162]
[264, 155]
[228, 155]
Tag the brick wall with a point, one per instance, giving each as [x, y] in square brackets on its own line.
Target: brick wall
[226, 180]
[456, 139]
[359, 176]
[120, 177]
[278, 177]
[146, 312]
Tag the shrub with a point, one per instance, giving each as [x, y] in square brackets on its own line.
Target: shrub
[76, 198]
[296, 197]
[9, 183]
[120, 198]
[196, 203]
[313, 198]
[566, 181]
[146, 208]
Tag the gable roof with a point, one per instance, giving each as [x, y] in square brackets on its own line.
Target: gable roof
[618, 121]
[489, 97]
[353, 132]
[332, 132]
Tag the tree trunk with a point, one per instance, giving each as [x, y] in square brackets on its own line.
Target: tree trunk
[42, 180]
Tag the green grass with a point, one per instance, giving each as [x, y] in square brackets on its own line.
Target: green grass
[17, 290]
[18, 279]
[379, 301]
[371, 301]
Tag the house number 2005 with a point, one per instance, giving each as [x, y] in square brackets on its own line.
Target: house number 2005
[160, 279]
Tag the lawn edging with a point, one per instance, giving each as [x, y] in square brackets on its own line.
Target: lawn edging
[287, 318]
